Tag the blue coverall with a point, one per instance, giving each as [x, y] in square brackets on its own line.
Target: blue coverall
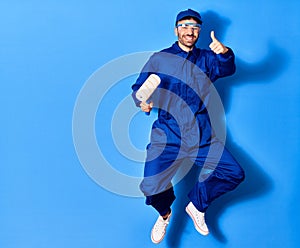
[183, 127]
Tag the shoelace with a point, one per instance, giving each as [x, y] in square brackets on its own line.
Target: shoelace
[161, 224]
[200, 218]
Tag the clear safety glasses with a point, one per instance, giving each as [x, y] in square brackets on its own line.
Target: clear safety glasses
[194, 26]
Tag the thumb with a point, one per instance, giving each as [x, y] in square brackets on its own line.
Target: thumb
[212, 36]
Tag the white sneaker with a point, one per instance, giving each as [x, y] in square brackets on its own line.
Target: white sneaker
[159, 229]
[198, 219]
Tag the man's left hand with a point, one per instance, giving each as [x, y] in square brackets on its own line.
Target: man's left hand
[216, 46]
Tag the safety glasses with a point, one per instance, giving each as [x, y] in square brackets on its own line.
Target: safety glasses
[187, 25]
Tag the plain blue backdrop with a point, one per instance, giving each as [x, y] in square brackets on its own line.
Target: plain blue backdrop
[48, 49]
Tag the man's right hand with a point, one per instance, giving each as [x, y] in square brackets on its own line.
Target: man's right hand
[146, 107]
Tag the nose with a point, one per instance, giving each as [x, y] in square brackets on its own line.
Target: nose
[190, 30]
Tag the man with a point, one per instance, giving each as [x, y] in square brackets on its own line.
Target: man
[183, 128]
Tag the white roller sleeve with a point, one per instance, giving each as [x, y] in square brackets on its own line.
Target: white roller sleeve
[148, 87]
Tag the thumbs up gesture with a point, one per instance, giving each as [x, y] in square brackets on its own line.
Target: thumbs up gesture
[216, 46]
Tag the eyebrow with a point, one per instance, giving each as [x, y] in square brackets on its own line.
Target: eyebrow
[189, 24]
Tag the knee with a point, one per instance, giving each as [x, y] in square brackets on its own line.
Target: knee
[236, 175]
[240, 174]
[150, 187]
[147, 188]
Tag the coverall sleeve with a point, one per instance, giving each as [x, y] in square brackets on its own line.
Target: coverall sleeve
[221, 65]
[148, 69]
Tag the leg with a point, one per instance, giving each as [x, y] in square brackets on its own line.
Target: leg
[220, 174]
[161, 165]
[157, 187]
[224, 176]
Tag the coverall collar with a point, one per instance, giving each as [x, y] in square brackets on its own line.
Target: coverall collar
[176, 48]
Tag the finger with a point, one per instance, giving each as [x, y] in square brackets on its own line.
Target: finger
[143, 104]
[218, 50]
[146, 107]
[212, 36]
[213, 45]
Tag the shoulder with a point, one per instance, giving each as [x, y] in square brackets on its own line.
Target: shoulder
[164, 54]
[174, 49]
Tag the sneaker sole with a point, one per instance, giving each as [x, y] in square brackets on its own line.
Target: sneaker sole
[202, 232]
[156, 241]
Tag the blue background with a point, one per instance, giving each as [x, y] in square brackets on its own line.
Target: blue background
[48, 49]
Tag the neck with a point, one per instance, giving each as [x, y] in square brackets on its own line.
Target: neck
[185, 48]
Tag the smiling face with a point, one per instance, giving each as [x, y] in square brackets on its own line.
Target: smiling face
[187, 34]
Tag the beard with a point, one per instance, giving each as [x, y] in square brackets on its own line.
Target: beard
[188, 40]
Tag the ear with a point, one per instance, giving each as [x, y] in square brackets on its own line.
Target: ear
[176, 31]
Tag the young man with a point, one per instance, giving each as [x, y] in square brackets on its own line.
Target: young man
[183, 129]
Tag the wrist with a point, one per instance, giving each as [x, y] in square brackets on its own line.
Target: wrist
[225, 50]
